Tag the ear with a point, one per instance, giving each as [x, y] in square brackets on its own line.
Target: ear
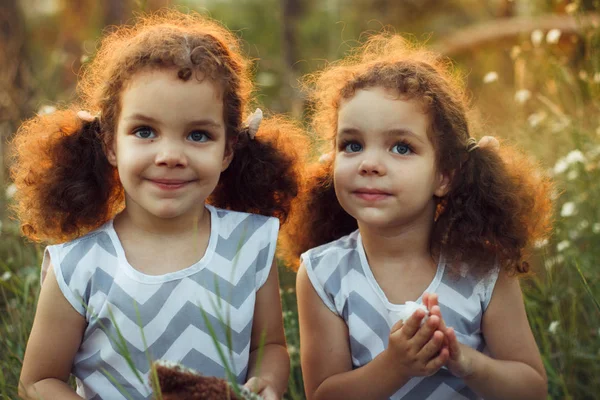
[227, 156]
[443, 184]
[110, 149]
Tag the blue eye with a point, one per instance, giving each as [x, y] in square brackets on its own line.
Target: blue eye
[401, 148]
[198, 136]
[144, 133]
[352, 147]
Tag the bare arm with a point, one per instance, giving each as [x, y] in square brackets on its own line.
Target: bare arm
[515, 370]
[273, 368]
[55, 338]
[326, 358]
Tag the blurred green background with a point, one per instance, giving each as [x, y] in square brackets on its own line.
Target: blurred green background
[533, 71]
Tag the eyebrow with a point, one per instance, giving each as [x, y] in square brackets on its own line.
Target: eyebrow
[201, 122]
[390, 133]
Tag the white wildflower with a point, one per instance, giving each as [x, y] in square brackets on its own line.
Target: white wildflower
[536, 37]
[6, 276]
[563, 245]
[490, 77]
[536, 118]
[571, 8]
[540, 243]
[568, 209]
[553, 327]
[597, 77]
[575, 156]
[560, 166]
[45, 110]
[553, 36]
[521, 96]
[583, 224]
[596, 227]
[10, 191]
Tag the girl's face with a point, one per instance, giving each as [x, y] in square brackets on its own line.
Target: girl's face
[384, 173]
[170, 144]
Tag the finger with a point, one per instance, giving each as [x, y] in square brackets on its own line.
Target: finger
[269, 394]
[423, 335]
[413, 324]
[453, 345]
[433, 301]
[426, 299]
[255, 384]
[437, 362]
[397, 326]
[436, 310]
[432, 347]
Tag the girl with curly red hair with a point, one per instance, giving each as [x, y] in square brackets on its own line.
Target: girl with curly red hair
[407, 215]
[166, 208]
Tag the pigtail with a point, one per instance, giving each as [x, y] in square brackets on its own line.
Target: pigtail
[65, 184]
[265, 175]
[320, 218]
[499, 204]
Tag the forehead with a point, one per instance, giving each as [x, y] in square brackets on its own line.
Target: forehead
[374, 109]
[161, 89]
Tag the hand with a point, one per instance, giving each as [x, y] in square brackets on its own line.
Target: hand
[415, 348]
[261, 387]
[459, 363]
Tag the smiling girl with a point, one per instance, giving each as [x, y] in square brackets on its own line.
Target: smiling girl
[155, 204]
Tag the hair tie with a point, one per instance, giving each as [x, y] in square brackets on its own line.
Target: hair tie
[471, 145]
[326, 157]
[87, 116]
[253, 123]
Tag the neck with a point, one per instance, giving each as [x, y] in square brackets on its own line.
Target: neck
[155, 226]
[401, 244]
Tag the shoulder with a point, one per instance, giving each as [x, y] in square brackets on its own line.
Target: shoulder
[473, 283]
[249, 223]
[336, 249]
[67, 256]
[80, 262]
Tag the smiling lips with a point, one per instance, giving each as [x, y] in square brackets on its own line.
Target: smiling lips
[169, 184]
[371, 194]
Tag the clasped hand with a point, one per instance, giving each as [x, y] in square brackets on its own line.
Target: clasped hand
[422, 348]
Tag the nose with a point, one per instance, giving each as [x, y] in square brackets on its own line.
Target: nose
[372, 164]
[171, 155]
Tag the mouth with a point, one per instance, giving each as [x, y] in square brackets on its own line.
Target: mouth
[371, 194]
[169, 184]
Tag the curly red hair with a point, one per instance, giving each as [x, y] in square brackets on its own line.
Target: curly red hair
[498, 202]
[65, 185]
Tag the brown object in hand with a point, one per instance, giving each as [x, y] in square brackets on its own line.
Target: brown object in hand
[181, 384]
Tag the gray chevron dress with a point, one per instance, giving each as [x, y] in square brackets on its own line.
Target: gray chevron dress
[341, 276]
[161, 317]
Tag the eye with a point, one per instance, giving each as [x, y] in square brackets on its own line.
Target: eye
[144, 132]
[352, 147]
[198, 136]
[401, 148]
